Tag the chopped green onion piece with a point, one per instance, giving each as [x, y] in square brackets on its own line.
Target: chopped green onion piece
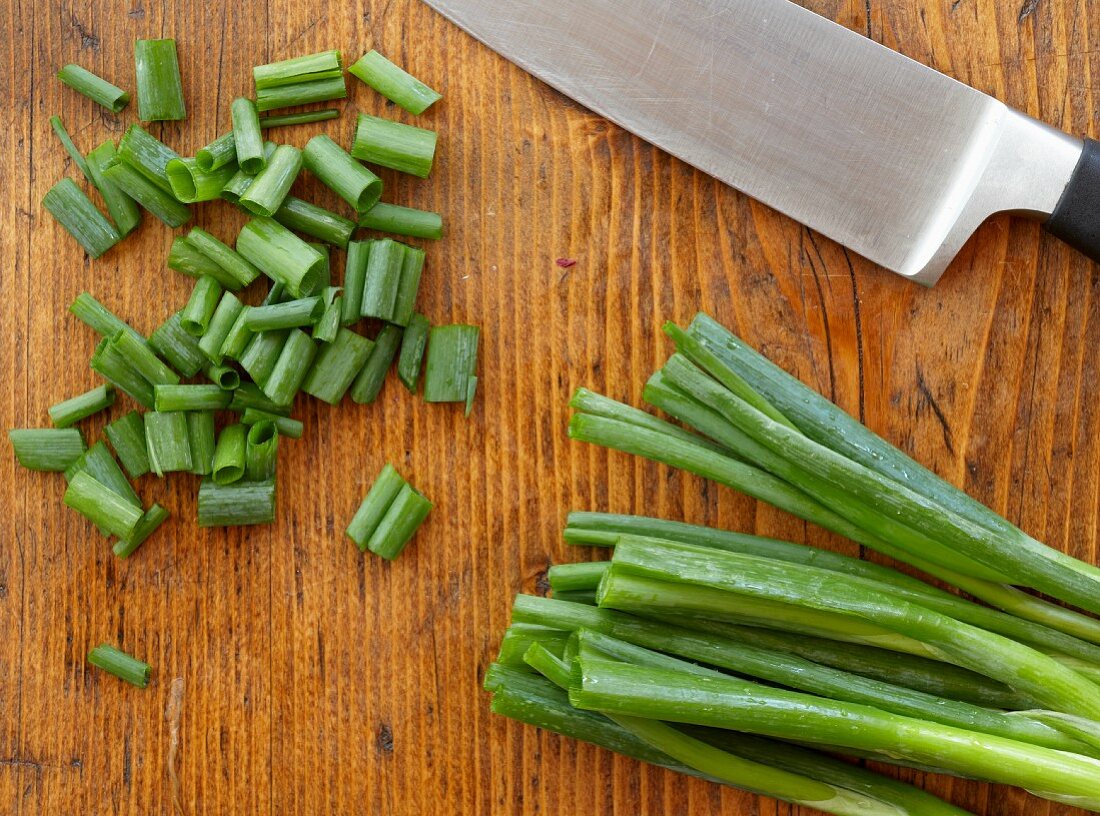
[196, 315]
[262, 447]
[403, 221]
[226, 378]
[70, 148]
[404, 304]
[218, 153]
[236, 272]
[337, 364]
[322, 65]
[384, 268]
[95, 88]
[127, 436]
[270, 186]
[339, 171]
[191, 184]
[402, 519]
[229, 456]
[261, 354]
[236, 504]
[78, 215]
[405, 148]
[304, 118]
[200, 440]
[249, 395]
[153, 518]
[161, 203]
[241, 181]
[301, 93]
[187, 260]
[178, 347]
[121, 665]
[122, 209]
[452, 358]
[328, 326]
[324, 280]
[99, 318]
[281, 255]
[74, 409]
[98, 463]
[159, 91]
[397, 85]
[238, 338]
[191, 398]
[315, 221]
[355, 277]
[368, 384]
[101, 505]
[247, 139]
[374, 506]
[147, 154]
[291, 368]
[113, 366]
[284, 425]
[221, 323]
[143, 360]
[47, 449]
[287, 315]
[413, 343]
[166, 436]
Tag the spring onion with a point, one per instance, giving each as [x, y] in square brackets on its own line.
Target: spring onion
[123, 210]
[301, 93]
[196, 315]
[384, 268]
[248, 142]
[299, 81]
[121, 665]
[271, 184]
[220, 324]
[281, 255]
[167, 440]
[403, 221]
[150, 521]
[200, 441]
[113, 366]
[127, 436]
[403, 518]
[147, 154]
[262, 352]
[101, 505]
[249, 395]
[400, 147]
[143, 359]
[404, 304]
[47, 449]
[70, 148]
[238, 337]
[452, 359]
[291, 368]
[287, 315]
[261, 450]
[218, 153]
[303, 118]
[229, 455]
[392, 82]
[70, 411]
[225, 377]
[286, 426]
[179, 348]
[98, 463]
[99, 318]
[200, 253]
[336, 365]
[301, 216]
[355, 276]
[74, 211]
[413, 343]
[237, 504]
[350, 180]
[95, 88]
[328, 327]
[241, 181]
[374, 506]
[368, 384]
[160, 202]
[191, 398]
[191, 184]
[159, 91]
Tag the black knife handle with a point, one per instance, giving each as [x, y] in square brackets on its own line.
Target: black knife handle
[1076, 219]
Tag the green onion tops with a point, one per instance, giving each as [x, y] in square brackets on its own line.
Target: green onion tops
[270, 186]
[353, 182]
[236, 504]
[218, 153]
[74, 409]
[74, 211]
[281, 255]
[127, 436]
[47, 449]
[337, 364]
[200, 307]
[200, 253]
[159, 91]
[400, 147]
[317, 222]
[299, 81]
[389, 516]
[393, 83]
[452, 360]
[96, 89]
[303, 118]
[248, 142]
[190, 183]
[120, 664]
[403, 221]
[167, 438]
[122, 209]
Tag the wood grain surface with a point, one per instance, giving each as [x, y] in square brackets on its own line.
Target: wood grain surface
[319, 681]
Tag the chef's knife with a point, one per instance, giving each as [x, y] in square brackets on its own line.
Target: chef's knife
[887, 156]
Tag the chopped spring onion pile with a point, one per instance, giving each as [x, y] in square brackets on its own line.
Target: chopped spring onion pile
[688, 640]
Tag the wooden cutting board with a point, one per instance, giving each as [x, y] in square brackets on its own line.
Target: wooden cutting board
[319, 681]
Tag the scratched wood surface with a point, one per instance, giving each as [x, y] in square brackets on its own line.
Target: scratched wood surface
[319, 681]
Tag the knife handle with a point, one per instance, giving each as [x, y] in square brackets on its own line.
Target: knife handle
[1076, 218]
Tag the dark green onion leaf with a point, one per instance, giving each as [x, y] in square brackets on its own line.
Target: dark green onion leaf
[95, 88]
[121, 665]
[78, 215]
[127, 436]
[236, 504]
[401, 147]
[153, 518]
[69, 412]
[397, 85]
[452, 359]
[47, 449]
[368, 384]
[159, 91]
[336, 365]
[403, 221]
[350, 180]
[413, 343]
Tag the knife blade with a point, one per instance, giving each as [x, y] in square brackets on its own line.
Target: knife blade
[896, 161]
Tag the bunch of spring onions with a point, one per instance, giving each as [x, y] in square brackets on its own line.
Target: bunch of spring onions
[214, 384]
[751, 661]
